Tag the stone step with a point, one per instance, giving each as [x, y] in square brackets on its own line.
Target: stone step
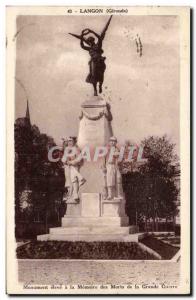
[69, 221]
[43, 237]
[82, 237]
[90, 237]
[90, 230]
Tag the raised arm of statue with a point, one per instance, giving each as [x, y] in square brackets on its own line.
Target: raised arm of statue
[96, 34]
[98, 37]
[83, 46]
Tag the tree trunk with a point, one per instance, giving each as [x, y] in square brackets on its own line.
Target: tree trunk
[156, 223]
[153, 224]
[145, 224]
[174, 223]
[136, 217]
[46, 222]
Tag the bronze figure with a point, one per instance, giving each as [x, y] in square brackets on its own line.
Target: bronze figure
[97, 64]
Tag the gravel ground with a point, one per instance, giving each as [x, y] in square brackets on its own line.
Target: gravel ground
[97, 272]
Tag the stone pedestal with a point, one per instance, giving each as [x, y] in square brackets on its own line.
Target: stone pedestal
[94, 130]
[95, 123]
[73, 209]
[91, 205]
[111, 208]
[93, 218]
[93, 173]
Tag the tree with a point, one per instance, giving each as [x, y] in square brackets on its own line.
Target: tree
[35, 173]
[152, 190]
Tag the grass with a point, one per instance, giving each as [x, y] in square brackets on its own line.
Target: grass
[174, 240]
[169, 238]
[82, 250]
[166, 251]
[168, 234]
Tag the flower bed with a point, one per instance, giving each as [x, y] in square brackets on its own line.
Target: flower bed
[83, 250]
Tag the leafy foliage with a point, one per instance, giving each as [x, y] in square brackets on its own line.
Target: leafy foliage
[44, 180]
[152, 191]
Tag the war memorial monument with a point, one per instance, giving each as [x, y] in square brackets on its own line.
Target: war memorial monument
[95, 200]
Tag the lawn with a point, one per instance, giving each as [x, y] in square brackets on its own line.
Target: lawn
[167, 251]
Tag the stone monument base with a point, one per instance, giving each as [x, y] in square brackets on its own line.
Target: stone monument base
[90, 236]
[94, 219]
[109, 222]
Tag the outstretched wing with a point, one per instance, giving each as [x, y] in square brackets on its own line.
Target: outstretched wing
[105, 28]
[76, 35]
[79, 37]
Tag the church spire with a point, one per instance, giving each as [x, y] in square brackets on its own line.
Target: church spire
[27, 113]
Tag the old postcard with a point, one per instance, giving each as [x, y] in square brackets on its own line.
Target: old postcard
[98, 157]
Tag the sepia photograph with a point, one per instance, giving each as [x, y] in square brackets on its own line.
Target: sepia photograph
[98, 129]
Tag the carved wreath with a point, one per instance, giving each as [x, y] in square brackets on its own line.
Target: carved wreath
[95, 117]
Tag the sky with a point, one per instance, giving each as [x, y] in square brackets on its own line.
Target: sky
[143, 91]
